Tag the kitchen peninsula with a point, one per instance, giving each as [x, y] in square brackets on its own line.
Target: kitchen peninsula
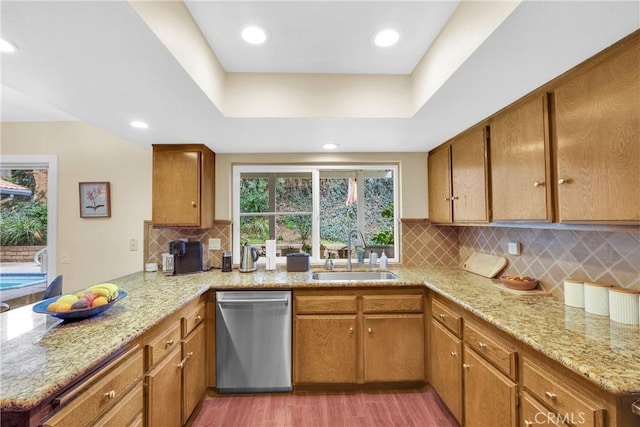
[42, 358]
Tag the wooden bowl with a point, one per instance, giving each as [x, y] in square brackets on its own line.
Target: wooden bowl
[520, 283]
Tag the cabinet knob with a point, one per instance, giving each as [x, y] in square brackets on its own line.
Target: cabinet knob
[168, 343]
[446, 199]
[455, 198]
[110, 395]
[193, 204]
[563, 181]
[351, 330]
[466, 365]
[454, 354]
[551, 395]
[370, 330]
[198, 318]
[538, 184]
[528, 423]
[441, 315]
[482, 345]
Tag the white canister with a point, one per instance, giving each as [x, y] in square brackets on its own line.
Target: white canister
[574, 293]
[624, 305]
[596, 298]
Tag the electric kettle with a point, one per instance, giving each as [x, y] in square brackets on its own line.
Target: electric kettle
[248, 258]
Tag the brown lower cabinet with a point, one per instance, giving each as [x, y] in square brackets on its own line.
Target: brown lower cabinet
[490, 398]
[445, 367]
[358, 337]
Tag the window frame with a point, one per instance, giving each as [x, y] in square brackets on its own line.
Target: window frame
[315, 170]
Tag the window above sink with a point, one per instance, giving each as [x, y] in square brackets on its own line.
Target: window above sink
[311, 208]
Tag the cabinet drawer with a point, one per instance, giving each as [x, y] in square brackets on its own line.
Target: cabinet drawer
[565, 402]
[392, 303]
[192, 319]
[127, 412]
[447, 317]
[535, 414]
[326, 304]
[489, 346]
[162, 342]
[87, 403]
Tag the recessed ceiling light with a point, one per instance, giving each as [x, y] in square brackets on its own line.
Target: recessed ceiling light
[386, 38]
[6, 47]
[330, 146]
[254, 35]
[139, 124]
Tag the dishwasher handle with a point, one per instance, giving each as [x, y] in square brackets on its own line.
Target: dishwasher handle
[247, 301]
[635, 407]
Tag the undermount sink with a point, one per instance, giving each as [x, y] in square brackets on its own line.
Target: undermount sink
[342, 276]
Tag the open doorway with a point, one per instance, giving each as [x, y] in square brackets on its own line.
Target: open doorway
[27, 227]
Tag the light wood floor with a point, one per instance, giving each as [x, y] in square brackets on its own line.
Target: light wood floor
[350, 409]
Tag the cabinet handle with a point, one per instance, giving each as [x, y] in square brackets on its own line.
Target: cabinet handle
[110, 395]
[466, 365]
[454, 354]
[563, 181]
[455, 198]
[183, 361]
[538, 184]
[350, 330]
[198, 318]
[482, 345]
[370, 330]
[550, 395]
[441, 315]
[194, 204]
[446, 199]
[168, 343]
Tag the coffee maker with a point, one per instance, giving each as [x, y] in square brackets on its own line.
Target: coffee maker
[187, 256]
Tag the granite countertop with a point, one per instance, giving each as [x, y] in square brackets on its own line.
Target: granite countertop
[40, 355]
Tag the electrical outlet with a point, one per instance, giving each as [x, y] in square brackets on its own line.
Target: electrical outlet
[513, 248]
[133, 245]
[214, 244]
[65, 258]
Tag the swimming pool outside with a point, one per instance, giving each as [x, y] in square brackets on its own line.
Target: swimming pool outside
[16, 280]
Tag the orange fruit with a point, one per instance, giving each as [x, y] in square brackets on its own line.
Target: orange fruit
[100, 301]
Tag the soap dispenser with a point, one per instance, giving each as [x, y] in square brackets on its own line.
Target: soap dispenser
[383, 260]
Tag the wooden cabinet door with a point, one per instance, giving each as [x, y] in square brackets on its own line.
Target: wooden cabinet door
[193, 371]
[469, 177]
[176, 188]
[490, 398]
[439, 174]
[535, 414]
[520, 175]
[445, 367]
[597, 129]
[326, 349]
[394, 348]
[164, 392]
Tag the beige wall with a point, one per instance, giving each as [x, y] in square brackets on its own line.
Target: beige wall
[412, 184]
[98, 249]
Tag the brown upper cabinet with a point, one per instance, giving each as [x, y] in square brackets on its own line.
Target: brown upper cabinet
[520, 163]
[183, 185]
[597, 130]
[458, 180]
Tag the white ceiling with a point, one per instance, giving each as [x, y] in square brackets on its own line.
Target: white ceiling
[99, 62]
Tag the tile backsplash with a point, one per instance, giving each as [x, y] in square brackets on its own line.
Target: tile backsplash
[550, 255]
[157, 241]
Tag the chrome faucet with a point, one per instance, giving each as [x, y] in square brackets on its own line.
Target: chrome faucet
[361, 238]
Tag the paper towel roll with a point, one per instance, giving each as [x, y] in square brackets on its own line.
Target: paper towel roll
[270, 248]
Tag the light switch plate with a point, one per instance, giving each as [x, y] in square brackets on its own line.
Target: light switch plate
[513, 248]
[214, 244]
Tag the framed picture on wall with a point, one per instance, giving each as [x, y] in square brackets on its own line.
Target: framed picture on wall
[95, 200]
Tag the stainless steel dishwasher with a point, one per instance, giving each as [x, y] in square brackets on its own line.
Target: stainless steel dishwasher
[253, 341]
